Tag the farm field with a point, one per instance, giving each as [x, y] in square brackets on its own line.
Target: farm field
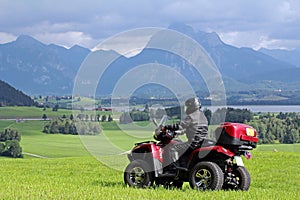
[69, 171]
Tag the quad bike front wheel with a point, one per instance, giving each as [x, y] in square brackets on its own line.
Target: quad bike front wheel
[138, 174]
[239, 179]
[206, 176]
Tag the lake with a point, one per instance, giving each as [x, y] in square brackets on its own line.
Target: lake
[262, 108]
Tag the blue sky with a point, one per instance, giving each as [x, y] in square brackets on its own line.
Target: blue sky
[242, 23]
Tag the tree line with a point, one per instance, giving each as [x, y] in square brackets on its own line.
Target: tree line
[271, 128]
[282, 128]
[135, 115]
[86, 117]
[68, 126]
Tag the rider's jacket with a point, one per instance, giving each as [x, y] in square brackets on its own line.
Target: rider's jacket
[196, 127]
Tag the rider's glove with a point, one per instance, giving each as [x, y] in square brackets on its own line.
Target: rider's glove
[193, 145]
[179, 132]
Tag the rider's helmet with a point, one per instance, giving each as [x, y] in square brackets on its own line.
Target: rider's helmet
[192, 104]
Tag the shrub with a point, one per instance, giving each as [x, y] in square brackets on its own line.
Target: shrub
[12, 149]
[2, 148]
[9, 145]
[10, 134]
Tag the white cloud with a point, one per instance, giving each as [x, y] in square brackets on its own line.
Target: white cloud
[279, 44]
[128, 43]
[257, 40]
[6, 37]
[67, 39]
[243, 39]
[91, 20]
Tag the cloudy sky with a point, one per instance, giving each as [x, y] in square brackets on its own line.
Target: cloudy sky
[255, 24]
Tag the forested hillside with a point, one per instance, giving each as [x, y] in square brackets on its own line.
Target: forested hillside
[9, 96]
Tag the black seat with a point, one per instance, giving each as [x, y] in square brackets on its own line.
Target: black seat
[208, 143]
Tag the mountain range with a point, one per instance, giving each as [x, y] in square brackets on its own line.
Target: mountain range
[40, 69]
[36, 68]
[289, 56]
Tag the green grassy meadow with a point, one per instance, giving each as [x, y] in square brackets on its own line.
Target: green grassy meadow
[20, 112]
[274, 176]
[69, 171]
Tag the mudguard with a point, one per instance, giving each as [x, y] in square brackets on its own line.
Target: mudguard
[204, 151]
[149, 152]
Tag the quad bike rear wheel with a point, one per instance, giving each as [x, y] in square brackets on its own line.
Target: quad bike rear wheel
[206, 176]
[138, 174]
[238, 180]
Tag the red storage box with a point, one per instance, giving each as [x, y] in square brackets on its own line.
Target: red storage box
[236, 134]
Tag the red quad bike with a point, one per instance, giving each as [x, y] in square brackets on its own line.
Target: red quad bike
[213, 166]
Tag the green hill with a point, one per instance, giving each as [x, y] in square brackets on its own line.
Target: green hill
[9, 96]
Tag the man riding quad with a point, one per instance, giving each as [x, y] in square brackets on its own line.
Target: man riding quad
[195, 126]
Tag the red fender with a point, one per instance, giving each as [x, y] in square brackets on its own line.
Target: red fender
[218, 149]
